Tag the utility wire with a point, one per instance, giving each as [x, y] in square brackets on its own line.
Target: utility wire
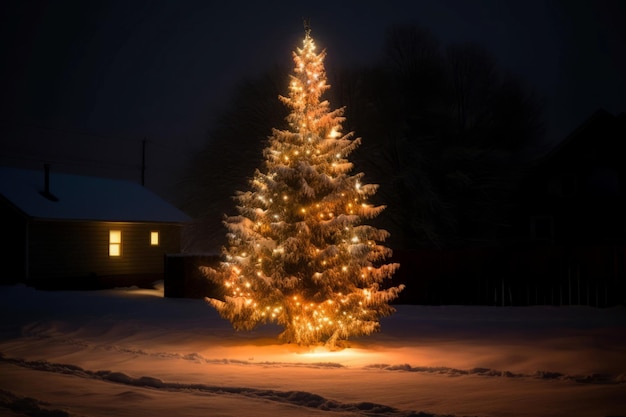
[121, 139]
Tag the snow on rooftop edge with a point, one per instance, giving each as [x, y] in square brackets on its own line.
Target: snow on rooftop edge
[85, 198]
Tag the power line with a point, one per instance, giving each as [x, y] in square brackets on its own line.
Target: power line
[67, 131]
[81, 161]
[121, 139]
[74, 161]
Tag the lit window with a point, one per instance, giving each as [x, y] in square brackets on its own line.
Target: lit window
[154, 238]
[115, 242]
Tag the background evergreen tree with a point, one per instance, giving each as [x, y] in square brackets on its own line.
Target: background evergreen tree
[234, 149]
[446, 133]
[299, 253]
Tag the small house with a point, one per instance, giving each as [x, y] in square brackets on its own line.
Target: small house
[79, 232]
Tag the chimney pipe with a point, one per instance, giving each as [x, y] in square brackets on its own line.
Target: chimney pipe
[46, 188]
[46, 185]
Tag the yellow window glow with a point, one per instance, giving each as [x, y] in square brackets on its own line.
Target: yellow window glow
[154, 238]
[115, 242]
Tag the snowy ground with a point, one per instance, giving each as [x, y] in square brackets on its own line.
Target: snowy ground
[134, 353]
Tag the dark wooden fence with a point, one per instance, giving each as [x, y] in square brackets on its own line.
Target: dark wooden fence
[551, 275]
[184, 279]
[591, 275]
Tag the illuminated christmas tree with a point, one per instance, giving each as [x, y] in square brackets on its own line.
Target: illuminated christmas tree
[299, 254]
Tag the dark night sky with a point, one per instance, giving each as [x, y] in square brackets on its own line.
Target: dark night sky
[83, 82]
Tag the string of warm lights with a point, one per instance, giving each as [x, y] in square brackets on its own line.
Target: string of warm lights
[299, 254]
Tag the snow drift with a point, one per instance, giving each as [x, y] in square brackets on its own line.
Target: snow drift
[131, 352]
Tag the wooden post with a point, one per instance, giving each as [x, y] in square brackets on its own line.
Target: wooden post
[578, 283]
[569, 285]
[143, 162]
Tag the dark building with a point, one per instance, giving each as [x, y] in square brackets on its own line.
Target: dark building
[576, 194]
[566, 244]
[71, 231]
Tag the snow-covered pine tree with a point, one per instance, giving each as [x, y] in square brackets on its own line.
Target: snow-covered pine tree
[299, 253]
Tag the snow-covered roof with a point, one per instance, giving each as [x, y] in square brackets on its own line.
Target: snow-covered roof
[84, 198]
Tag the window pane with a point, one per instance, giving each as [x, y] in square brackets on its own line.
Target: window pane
[154, 238]
[115, 236]
[114, 249]
[115, 242]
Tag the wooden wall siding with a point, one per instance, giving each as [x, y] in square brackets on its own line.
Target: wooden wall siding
[13, 254]
[74, 249]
